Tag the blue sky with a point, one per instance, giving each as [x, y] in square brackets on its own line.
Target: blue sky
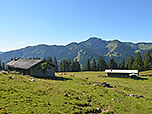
[31, 22]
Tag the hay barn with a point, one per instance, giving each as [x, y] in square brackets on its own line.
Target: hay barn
[31, 67]
[121, 73]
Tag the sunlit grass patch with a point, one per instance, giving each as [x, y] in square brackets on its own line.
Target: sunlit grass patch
[74, 94]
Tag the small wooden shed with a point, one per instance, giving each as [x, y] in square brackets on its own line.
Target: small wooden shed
[31, 67]
[121, 73]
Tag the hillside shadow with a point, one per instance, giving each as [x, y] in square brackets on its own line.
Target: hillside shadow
[54, 78]
[61, 78]
[140, 78]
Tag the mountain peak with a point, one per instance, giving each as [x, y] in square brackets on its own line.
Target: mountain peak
[94, 39]
[117, 41]
[91, 48]
[72, 44]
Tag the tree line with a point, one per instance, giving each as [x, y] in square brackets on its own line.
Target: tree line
[99, 64]
[132, 63]
[137, 63]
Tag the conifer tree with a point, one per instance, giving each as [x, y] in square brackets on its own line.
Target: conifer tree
[56, 64]
[122, 64]
[101, 64]
[87, 65]
[49, 59]
[147, 61]
[129, 62]
[61, 64]
[138, 63]
[75, 66]
[112, 64]
[64, 65]
[69, 62]
[94, 65]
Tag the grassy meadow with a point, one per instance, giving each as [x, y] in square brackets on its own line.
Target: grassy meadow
[75, 95]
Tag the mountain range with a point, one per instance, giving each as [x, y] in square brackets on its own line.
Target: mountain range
[91, 48]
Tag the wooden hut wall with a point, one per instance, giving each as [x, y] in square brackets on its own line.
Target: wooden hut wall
[121, 75]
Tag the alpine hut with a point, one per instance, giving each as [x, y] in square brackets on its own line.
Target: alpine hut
[122, 73]
[31, 67]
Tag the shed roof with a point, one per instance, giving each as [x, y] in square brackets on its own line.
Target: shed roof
[23, 63]
[121, 71]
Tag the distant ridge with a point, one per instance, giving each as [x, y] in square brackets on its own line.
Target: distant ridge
[1, 52]
[91, 48]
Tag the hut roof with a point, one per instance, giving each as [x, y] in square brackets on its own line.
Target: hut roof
[122, 71]
[23, 63]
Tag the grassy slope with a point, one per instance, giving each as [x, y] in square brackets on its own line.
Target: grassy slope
[19, 95]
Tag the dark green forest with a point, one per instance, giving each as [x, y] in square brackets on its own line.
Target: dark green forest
[138, 62]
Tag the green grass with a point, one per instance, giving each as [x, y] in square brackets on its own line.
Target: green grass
[146, 73]
[74, 95]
